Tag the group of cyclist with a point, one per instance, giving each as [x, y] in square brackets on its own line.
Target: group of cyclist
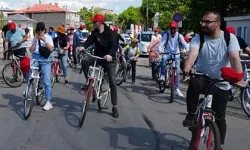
[208, 53]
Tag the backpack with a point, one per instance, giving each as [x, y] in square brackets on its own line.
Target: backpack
[202, 40]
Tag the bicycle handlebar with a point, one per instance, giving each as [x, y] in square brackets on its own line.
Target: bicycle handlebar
[96, 57]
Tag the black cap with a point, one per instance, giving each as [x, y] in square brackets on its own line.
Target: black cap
[40, 25]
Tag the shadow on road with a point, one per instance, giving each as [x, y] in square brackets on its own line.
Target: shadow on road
[15, 104]
[146, 140]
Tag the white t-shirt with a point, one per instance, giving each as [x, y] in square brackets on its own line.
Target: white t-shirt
[48, 39]
[214, 55]
[156, 37]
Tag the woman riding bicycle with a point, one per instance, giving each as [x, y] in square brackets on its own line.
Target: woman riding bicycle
[41, 48]
[132, 52]
[61, 46]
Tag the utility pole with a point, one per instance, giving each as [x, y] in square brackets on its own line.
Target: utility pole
[147, 17]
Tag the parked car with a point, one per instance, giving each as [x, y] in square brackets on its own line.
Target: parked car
[144, 38]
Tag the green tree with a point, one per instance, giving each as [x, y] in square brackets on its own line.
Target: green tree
[226, 8]
[129, 16]
[86, 15]
[110, 17]
[2, 23]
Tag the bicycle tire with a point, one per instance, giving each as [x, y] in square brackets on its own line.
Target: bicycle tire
[243, 102]
[172, 86]
[40, 88]
[214, 130]
[28, 104]
[88, 94]
[102, 103]
[156, 73]
[123, 73]
[5, 77]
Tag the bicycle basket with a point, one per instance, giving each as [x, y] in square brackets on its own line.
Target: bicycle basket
[94, 72]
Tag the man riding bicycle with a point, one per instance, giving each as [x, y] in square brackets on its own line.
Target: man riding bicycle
[170, 44]
[212, 55]
[16, 37]
[105, 46]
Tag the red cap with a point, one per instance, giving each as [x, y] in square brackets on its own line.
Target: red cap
[230, 29]
[82, 26]
[98, 18]
[72, 28]
[173, 24]
[12, 26]
[157, 30]
[115, 28]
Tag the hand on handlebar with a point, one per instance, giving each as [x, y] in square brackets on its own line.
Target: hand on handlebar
[81, 49]
[108, 58]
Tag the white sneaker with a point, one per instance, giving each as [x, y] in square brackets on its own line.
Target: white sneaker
[178, 93]
[47, 106]
[162, 78]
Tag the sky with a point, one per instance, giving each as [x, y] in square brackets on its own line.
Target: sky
[74, 5]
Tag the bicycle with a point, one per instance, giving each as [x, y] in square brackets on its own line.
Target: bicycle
[170, 76]
[97, 88]
[244, 96]
[70, 60]
[34, 89]
[124, 71]
[15, 68]
[205, 117]
[56, 69]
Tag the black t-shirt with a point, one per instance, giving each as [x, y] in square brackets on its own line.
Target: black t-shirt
[242, 43]
[5, 29]
[62, 41]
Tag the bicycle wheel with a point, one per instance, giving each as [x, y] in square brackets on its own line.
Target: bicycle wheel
[104, 93]
[211, 141]
[29, 97]
[172, 84]
[88, 95]
[120, 76]
[40, 92]
[156, 73]
[16, 79]
[245, 101]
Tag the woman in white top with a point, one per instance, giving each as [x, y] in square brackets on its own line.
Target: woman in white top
[156, 35]
[45, 41]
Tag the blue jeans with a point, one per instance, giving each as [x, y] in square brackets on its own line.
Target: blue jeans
[177, 64]
[45, 73]
[63, 62]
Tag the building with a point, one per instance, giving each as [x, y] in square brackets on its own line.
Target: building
[241, 25]
[5, 11]
[104, 11]
[51, 14]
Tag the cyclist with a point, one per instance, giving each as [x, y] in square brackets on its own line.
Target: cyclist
[213, 55]
[46, 42]
[153, 54]
[242, 43]
[62, 45]
[52, 33]
[16, 38]
[132, 52]
[70, 37]
[170, 43]
[105, 46]
[5, 29]
[77, 38]
[156, 35]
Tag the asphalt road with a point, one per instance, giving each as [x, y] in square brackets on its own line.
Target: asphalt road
[147, 120]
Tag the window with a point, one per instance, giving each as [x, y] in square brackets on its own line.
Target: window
[146, 37]
[239, 31]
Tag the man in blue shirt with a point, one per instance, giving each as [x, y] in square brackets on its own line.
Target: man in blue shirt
[16, 38]
[77, 39]
[52, 33]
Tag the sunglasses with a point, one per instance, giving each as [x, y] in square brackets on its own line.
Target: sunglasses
[40, 29]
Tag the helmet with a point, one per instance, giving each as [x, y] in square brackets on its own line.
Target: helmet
[157, 30]
[82, 26]
[12, 25]
[72, 28]
[134, 40]
[98, 18]
[173, 24]
[230, 29]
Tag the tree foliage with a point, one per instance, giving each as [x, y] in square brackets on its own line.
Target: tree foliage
[2, 23]
[86, 15]
[129, 16]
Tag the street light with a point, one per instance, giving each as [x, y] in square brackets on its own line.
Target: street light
[147, 17]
